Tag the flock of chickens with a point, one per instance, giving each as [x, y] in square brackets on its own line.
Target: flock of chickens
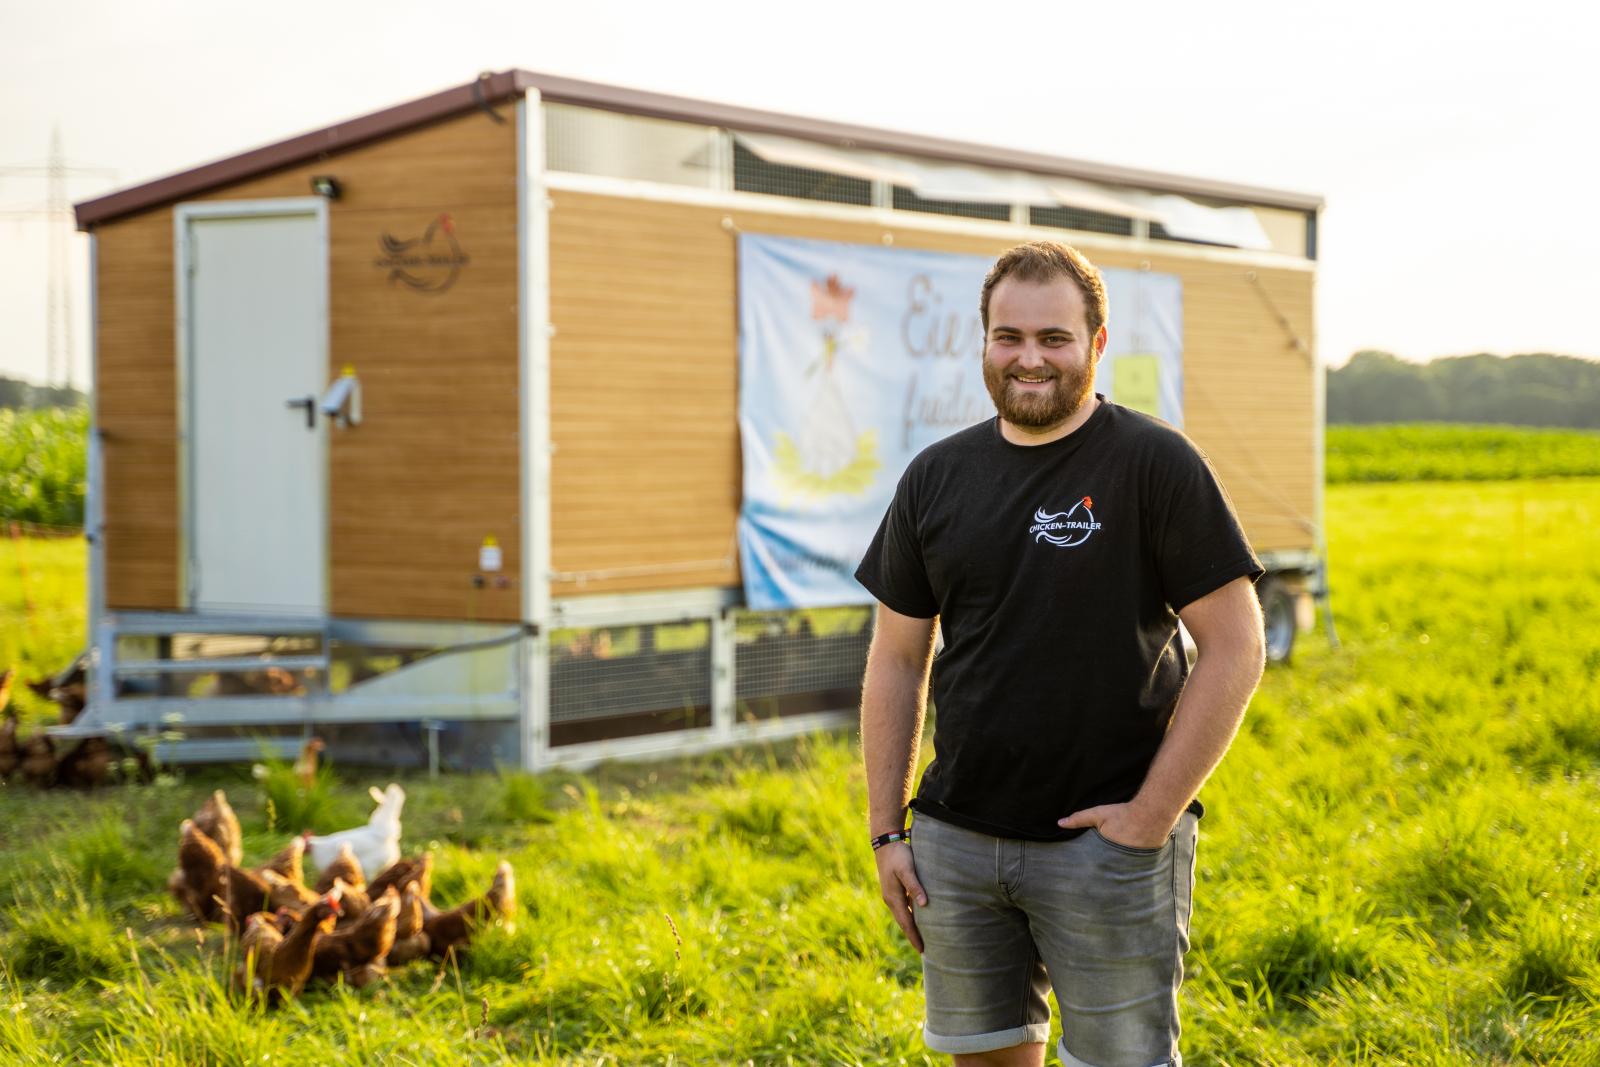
[340, 927]
[38, 759]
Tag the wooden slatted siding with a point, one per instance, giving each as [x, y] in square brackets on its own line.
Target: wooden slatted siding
[645, 480]
[136, 398]
[433, 468]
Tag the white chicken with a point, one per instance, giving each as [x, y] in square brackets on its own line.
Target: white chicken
[376, 845]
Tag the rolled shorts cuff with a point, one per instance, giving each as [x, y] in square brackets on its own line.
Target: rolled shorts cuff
[1031, 1033]
[1069, 1060]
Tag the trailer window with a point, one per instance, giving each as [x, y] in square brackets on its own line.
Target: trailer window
[581, 140]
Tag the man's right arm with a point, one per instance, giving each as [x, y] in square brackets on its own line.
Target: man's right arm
[893, 703]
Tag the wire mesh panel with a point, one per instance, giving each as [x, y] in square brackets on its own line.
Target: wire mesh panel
[1071, 218]
[907, 200]
[797, 662]
[623, 681]
[752, 174]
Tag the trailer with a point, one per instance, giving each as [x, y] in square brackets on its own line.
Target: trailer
[427, 432]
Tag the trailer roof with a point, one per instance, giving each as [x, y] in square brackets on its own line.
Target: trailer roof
[489, 90]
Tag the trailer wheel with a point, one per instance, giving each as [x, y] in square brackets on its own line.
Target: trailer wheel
[1277, 610]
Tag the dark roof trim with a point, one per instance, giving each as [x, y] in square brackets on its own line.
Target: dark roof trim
[488, 90]
[491, 89]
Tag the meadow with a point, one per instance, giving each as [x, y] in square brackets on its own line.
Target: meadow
[1398, 864]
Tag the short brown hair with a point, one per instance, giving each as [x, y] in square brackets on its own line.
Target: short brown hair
[1045, 261]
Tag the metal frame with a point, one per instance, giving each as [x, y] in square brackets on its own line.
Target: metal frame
[101, 685]
[693, 742]
[110, 714]
[182, 215]
[533, 348]
[625, 609]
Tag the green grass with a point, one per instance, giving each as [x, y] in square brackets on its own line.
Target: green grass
[1441, 452]
[1398, 864]
[44, 602]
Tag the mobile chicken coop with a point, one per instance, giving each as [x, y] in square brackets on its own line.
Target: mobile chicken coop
[538, 421]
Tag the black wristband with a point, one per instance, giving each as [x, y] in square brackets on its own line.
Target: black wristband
[889, 839]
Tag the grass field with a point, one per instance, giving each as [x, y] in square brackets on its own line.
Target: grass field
[1439, 452]
[1399, 862]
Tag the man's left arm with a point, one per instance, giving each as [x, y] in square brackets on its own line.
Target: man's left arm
[1227, 631]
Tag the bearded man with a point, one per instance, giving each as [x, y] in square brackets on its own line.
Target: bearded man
[1056, 547]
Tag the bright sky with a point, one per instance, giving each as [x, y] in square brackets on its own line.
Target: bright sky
[1455, 143]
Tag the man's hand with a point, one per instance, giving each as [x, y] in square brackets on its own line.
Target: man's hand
[1121, 824]
[897, 878]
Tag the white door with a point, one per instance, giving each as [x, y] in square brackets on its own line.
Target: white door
[256, 363]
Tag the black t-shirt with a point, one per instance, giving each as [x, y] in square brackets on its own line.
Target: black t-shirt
[1055, 571]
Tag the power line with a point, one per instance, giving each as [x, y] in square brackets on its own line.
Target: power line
[57, 211]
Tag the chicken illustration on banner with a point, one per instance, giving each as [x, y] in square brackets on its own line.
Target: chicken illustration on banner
[830, 456]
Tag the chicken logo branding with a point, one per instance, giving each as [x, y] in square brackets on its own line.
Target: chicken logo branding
[1065, 529]
[430, 263]
[829, 456]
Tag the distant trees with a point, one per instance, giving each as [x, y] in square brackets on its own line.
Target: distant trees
[15, 393]
[1526, 390]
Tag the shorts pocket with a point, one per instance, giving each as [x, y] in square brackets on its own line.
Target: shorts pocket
[1130, 849]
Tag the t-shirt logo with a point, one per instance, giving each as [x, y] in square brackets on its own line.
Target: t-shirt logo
[1065, 529]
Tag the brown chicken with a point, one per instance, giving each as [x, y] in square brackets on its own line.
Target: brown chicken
[305, 768]
[345, 866]
[217, 821]
[451, 930]
[10, 750]
[197, 883]
[87, 765]
[283, 893]
[289, 862]
[356, 953]
[403, 872]
[38, 764]
[245, 892]
[410, 940]
[277, 965]
[355, 902]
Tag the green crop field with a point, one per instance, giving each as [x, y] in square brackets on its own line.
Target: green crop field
[43, 460]
[1439, 452]
[1399, 862]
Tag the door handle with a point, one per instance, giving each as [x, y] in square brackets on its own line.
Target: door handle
[310, 404]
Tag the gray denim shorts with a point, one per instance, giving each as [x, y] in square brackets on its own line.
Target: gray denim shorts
[1104, 925]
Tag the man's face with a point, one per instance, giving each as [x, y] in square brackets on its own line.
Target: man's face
[1038, 356]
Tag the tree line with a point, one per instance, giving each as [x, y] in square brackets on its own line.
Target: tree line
[1525, 390]
[22, 395]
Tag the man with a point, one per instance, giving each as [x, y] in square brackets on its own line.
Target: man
[1056, 547]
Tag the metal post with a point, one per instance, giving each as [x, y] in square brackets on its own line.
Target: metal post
[433, 726]
[723, 680]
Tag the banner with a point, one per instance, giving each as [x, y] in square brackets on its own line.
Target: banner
[854, 358]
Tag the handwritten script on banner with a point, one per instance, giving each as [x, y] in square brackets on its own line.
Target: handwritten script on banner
[852, 359]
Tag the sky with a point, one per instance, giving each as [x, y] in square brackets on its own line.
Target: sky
[1455, 144]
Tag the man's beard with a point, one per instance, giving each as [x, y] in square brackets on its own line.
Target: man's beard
[1069, 389]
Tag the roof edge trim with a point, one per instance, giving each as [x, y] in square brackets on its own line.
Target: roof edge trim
[488, 89]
